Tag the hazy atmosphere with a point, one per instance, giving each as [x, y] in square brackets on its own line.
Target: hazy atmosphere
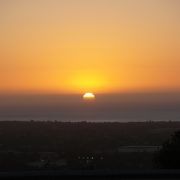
[106, 107]
[126, 52]
[74, 46]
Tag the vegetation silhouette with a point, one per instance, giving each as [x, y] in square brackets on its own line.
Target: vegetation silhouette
[168, 156]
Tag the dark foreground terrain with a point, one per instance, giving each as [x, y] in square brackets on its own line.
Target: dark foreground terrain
[81, 146]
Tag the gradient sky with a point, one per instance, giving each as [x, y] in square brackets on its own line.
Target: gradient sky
[74, 46]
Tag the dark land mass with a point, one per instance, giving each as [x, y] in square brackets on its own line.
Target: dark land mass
[81, 145]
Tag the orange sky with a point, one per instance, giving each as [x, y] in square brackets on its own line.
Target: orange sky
[74, 46]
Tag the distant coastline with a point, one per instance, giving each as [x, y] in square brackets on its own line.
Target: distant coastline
[79, 121]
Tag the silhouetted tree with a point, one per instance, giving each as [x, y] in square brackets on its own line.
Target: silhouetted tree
[169, 155]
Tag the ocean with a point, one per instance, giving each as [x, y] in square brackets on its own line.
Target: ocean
[106, 107]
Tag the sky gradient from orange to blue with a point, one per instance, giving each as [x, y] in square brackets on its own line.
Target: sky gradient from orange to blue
[103, 46]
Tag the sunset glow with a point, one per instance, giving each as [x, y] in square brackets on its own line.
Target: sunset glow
[100, 46]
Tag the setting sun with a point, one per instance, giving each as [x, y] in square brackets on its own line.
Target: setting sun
[89, 96]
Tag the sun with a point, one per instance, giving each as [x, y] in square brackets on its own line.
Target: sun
[89, 96]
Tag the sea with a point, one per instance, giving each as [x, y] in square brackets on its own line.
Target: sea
[129, 107]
